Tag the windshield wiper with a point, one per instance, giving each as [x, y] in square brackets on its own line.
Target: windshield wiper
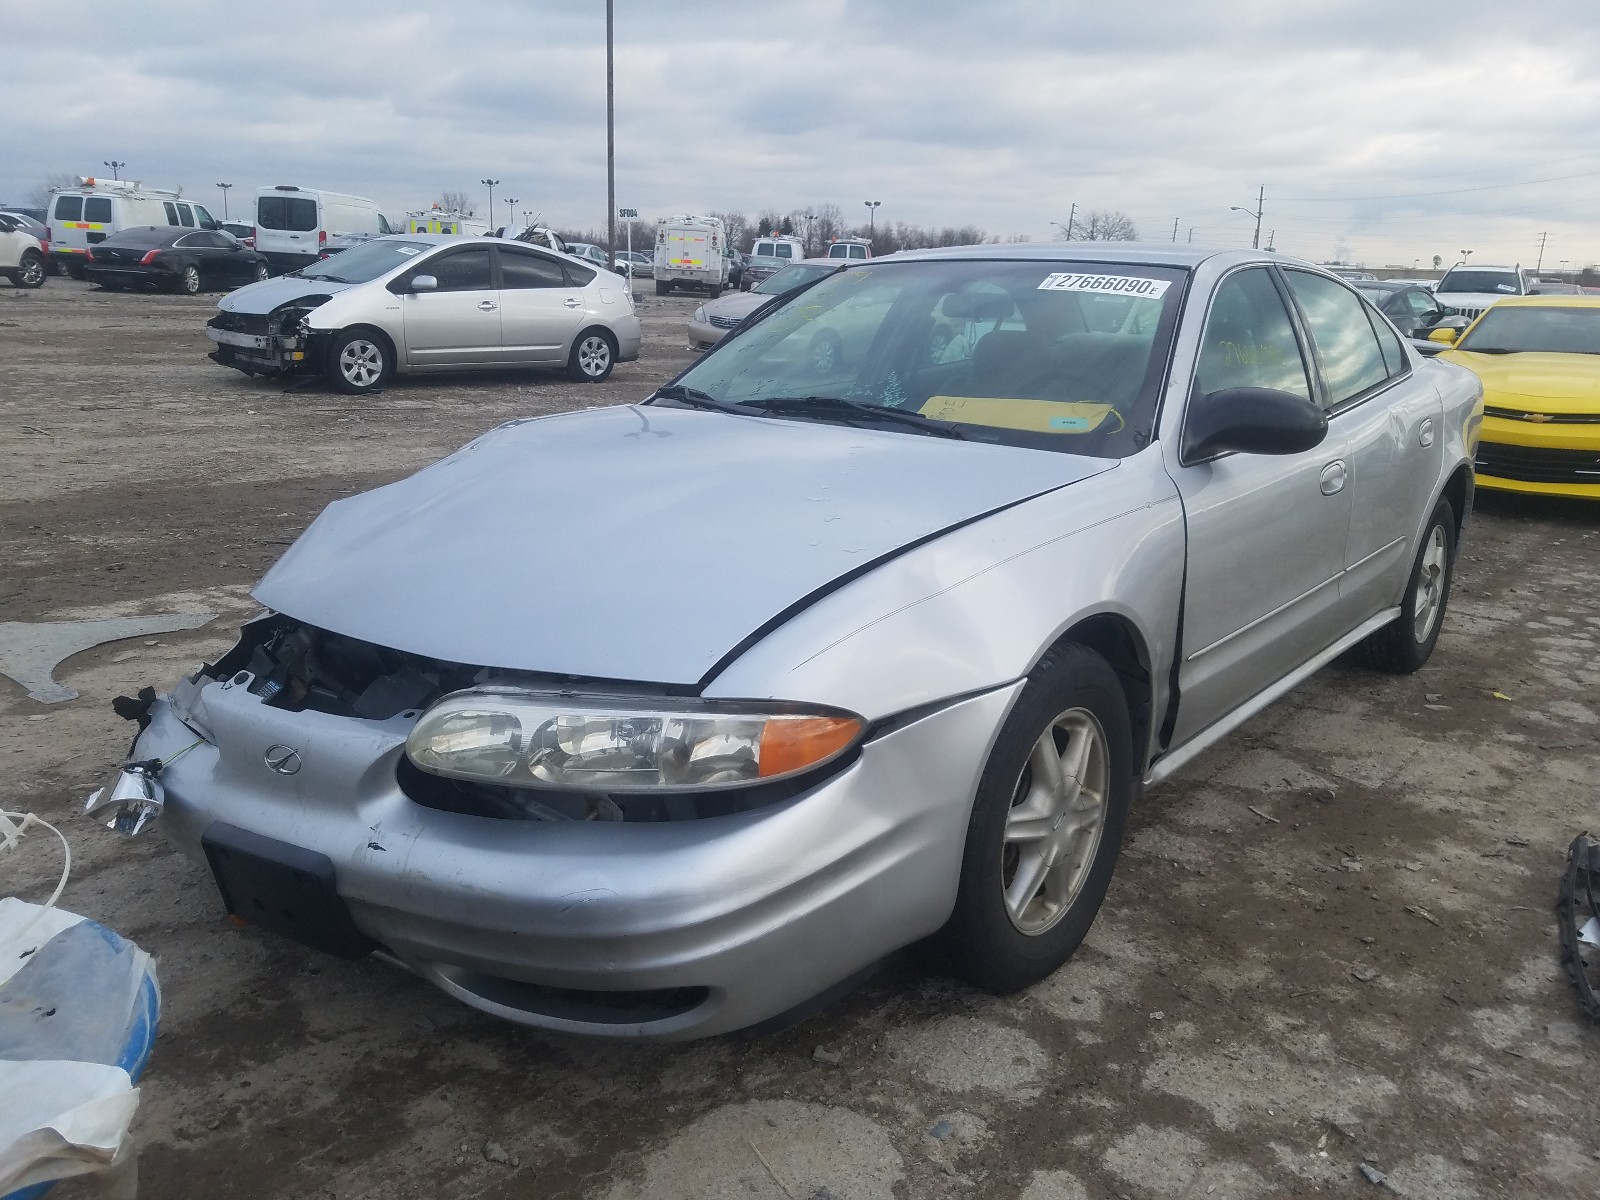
[695, 398]
[855, 410]
[1489, 350]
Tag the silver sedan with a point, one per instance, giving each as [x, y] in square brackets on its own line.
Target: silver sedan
[430, 302]
[664, 720]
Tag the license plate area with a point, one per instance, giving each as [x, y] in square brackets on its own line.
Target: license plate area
[282, 889]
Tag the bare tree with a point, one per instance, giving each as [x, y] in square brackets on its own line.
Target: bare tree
[827, 223]
[458, 202]
[40, 196]
[738, 227]
[1106, 225]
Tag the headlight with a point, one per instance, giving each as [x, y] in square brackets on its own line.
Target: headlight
[700, 314]
[521, 739]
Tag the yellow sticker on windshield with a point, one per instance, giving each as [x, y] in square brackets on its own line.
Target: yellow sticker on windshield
[1034, 416]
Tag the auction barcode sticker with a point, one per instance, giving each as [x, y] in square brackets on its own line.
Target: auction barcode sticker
[1107, 285]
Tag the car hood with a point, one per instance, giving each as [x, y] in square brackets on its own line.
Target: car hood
[737, 306]
[269, 294]
[1554, 383]
[636, 543]
[1470, 299]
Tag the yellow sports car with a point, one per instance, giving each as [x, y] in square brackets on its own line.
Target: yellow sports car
[1539, 359]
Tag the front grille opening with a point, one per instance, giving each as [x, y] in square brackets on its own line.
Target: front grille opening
[573, 1004]
[1531, 464]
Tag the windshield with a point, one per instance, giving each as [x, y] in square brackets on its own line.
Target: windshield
[1059, 356]
[1535, 329]
[1505, 282]
[788, 279]
[366, 261]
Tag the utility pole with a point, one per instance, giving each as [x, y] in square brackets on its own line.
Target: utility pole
[1071, 214]
[1271, 238]
[224, 187]
[1191, 235]
[611, 139]
[1261, 205]
[1174, 228]
[1542, 237]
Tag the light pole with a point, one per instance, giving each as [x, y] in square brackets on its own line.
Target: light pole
[810, 217]
[224, 187]
[1465, 254]
[872, 213]
[491, 184]
[611, 140]
[511, 210]
[1261, 204]
[115, 167]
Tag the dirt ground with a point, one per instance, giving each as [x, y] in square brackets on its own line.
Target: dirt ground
[1330, 941]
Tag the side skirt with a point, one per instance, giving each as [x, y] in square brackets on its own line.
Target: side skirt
[1168, 764]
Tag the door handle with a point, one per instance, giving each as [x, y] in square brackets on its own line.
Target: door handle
[487, 305]
[573, 302]
[1425, 433]
[1333, 477]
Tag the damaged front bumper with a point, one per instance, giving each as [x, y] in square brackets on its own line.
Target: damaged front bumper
[652, 929]
[272, 344]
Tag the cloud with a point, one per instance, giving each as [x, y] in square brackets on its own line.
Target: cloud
[1001, 115]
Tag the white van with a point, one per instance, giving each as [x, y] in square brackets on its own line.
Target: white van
[791, 249]
[691, 252]
[293, 224]
[854, 249]
[438, 220]
[94, 209]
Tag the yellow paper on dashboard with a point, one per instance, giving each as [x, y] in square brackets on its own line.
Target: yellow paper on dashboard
[1033, 416]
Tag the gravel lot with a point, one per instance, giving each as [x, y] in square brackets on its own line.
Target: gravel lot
[1330, 941]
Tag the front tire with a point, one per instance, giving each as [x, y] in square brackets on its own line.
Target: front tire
[189, 281]
[1403, 645]
[261, 274]
[358, 362]
[662, 287]
[1046, 826]
[30, 270]
[593, 355]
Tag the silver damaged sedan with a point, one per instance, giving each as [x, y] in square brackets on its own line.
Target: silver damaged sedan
[665, 720]
[429, 302]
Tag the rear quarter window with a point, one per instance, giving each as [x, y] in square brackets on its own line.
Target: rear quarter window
[97, 208]
[295, 214]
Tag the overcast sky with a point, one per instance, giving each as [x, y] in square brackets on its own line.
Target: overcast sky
[1383, 132]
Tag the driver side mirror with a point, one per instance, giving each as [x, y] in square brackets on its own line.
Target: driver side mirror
[1445, 335]
[1251, 420]
[424, 283]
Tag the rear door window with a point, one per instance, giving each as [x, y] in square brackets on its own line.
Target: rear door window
[185, 216]
[1347, 346]
[172, 211]
[69, 208]
[522, 271]
[97, 209]
[295, 214]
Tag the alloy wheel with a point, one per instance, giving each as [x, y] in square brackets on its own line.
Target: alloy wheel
[32, 272]
[361, 363]
[1430, 583]
[1058, 812]
[594, 356]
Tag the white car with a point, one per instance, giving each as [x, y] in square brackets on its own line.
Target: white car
[427, 302]
[591, 252]
[1466, 291]
[22, 256]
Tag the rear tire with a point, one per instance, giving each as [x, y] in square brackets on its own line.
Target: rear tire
[662, 287]
[30, 270]
[716, 290]
[111, 287]
[593, 355]
[1043, 839]
[189, 281]
[74, 269]
[358, 362]
[262, 274]
[1406, 643]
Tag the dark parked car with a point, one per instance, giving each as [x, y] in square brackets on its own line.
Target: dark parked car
[183, 260]
[246, 234]
[1415, 311]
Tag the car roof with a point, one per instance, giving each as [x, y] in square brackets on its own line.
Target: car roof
[1483, 267]
[1150, 254]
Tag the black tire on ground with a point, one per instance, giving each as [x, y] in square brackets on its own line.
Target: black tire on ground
[189, 281]
[74, 269]
[30, 270]
[358, 362]
[593, 355]
[1072, 694]
[662, 287]
[110, 287]
[716, 290]
[1405, 643]
[261, 272]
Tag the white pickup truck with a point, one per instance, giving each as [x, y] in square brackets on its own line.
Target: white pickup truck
[22, 256]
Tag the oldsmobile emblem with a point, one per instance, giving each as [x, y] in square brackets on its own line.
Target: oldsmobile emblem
[285, 760]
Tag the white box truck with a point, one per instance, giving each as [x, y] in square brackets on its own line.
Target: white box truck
[293, 224]
[93, 209]
[691, 252]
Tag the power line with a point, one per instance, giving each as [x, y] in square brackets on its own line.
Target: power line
[1487, 187]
